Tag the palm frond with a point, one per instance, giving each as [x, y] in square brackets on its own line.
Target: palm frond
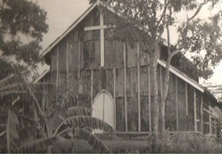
[2, 133]
[28, 133]
[88, 121]
[80, 111]
[11, 87]
[11, 128]
[91, 139]
[39, 145]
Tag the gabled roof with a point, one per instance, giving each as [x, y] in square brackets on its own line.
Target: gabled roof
[172, 69]
[48, 49]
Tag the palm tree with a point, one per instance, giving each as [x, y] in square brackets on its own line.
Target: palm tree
[31, 126]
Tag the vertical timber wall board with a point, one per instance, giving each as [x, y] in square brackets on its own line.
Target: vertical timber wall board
[57, 66]
[201, 114]
[120, 112]
[128, 82]
[95, 83]
[108, 51]
[144, 98]
[177, 104]
[62, 62]
[124, 84]
[118, 46]
[198, 110]
[138, 85]
[72, 40]
[170, 105]
[131, 56]
[119, 83]
[206, 129]
[190, 118]
[53, 66]
[149, 96]
[195, 109]
[109, 81]
[91, 86]
[182, 105]
[114, 93]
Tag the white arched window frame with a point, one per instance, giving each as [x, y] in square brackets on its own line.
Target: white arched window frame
[105, 108]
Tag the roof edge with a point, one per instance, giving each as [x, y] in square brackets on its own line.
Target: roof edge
[182, 76]
[53, 44]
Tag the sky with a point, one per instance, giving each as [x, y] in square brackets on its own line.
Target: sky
[62, 13]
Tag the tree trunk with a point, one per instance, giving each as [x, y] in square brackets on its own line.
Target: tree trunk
[164, 97]
[155, 119]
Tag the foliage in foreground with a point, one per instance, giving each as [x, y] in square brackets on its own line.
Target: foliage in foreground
[23, 24]
[188, 143]
[29, 126]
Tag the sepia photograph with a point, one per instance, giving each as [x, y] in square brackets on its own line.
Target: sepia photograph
[111, 76]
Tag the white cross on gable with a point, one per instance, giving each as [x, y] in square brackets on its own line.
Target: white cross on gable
[101, 27]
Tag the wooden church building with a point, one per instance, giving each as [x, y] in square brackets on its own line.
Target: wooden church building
[116, 80]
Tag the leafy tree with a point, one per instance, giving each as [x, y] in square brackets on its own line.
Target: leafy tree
[50, 126]
[146, 21]
[22, 25]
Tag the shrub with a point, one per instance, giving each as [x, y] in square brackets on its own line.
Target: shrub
[188, 143]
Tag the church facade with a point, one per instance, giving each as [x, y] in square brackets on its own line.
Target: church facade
[116, 80]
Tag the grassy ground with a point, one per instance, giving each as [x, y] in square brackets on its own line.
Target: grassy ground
[115, 146]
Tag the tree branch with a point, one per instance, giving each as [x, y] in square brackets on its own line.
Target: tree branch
[174, 53]
[168, 40]
[197, 11]
[163, 14]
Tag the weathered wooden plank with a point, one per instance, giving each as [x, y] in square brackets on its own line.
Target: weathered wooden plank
[79, 58]
[82, 62]
[57, 67]
[72, 55]
[44, 95]
[149, 97]
[67, 60]
[91, 86]
[120, 119]
[131, 56]
[186, 98]
[181, 105]
[95, 82]
[102, 39]
[102, 79]
[201, 114]
[177, 106]
[210, 122]
[143, 81]
[114, 91]
[144, 113]
[62, 56]
[53, 66]
[99, 82]
[118, 46]
[128, 82]
[132, 109]
[125, 95]
[91, 28]
[161, 82]
[195, 110]
[131, 82]
[119, 83]
[138, 84]
[109, 81]
[97, 54]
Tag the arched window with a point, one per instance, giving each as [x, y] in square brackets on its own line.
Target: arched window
[104, 108]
